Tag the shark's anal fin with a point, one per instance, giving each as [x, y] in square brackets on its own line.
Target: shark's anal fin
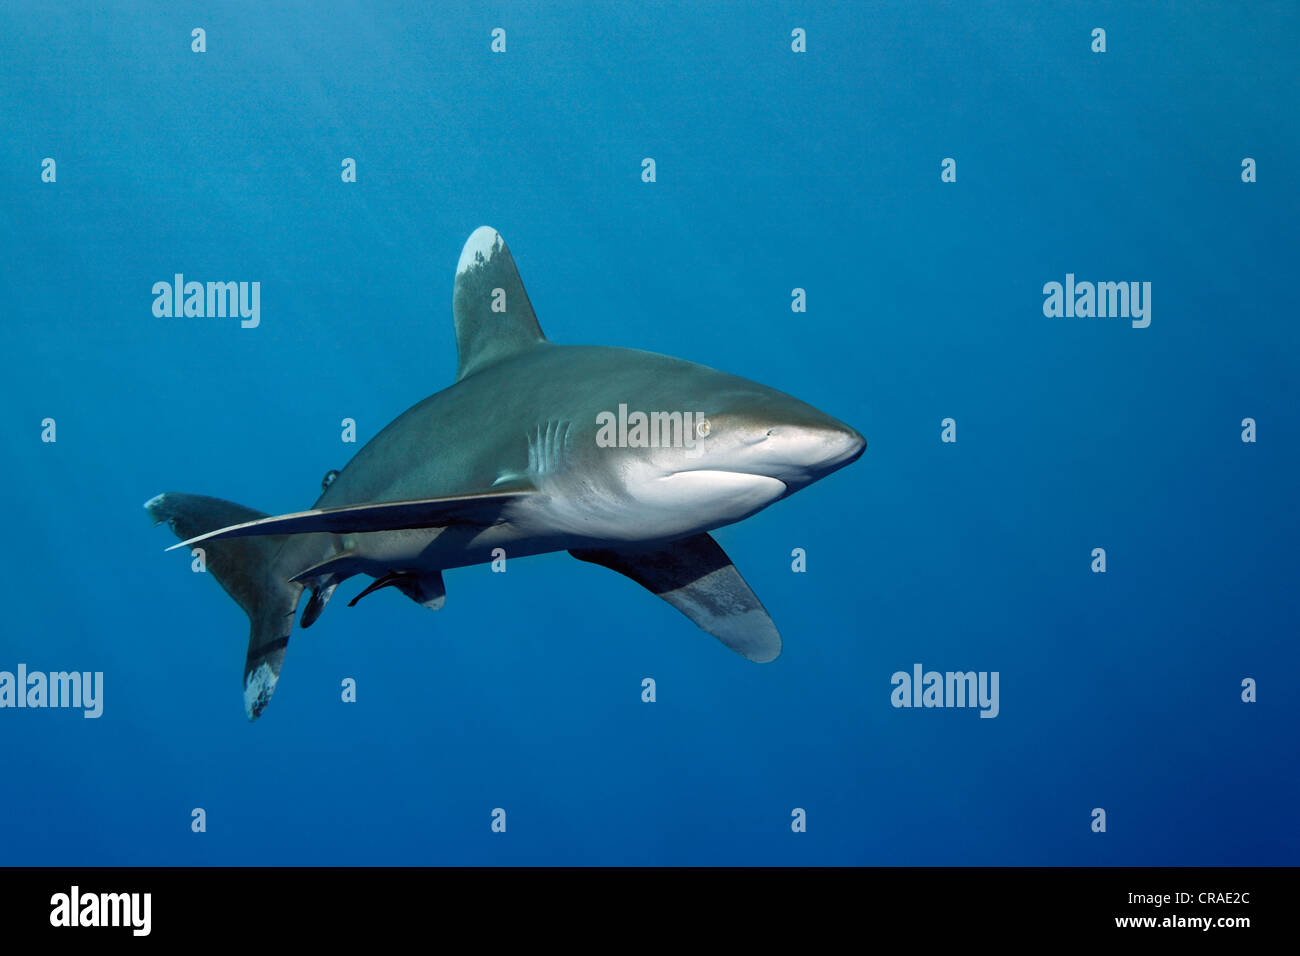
[323, 578]
[695, 576]
[479, 509]
[319, 598]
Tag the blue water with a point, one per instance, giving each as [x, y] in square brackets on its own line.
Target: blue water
[775, 170]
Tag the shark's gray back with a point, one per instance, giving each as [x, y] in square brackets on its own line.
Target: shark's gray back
[459, 440]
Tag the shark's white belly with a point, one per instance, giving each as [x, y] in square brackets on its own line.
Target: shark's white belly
[652, 507]
[646, 508]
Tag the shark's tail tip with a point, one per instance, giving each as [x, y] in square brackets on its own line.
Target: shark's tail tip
[259, 685]
[158, 508]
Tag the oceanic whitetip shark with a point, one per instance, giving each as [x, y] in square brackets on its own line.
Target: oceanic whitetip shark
[520, 454]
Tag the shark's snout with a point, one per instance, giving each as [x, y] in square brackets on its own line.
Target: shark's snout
[846, 447]
[799, 454]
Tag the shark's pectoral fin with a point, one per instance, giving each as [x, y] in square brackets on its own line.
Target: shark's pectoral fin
[695, 576]
[479, 509]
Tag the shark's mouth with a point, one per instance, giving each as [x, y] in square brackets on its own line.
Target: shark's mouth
[721, 477]
[735, 491]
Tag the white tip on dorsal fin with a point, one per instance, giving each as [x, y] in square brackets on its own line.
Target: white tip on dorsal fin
[479, 247]
[494, 319]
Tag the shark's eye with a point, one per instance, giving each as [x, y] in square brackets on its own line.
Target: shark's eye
[702, 427]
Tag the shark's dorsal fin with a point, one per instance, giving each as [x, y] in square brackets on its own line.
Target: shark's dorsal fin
[494, 319]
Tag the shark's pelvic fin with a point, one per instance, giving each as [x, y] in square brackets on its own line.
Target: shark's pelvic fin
[425, 589]
[388, 579]
[338, 566]
[494, 319]
[480, 509]
[695, 576]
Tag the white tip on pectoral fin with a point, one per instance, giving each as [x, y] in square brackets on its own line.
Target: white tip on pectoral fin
[695, 576]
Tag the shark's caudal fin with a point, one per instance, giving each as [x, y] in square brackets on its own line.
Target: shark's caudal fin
[494, 319]
[245, 568]
[695, 576]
